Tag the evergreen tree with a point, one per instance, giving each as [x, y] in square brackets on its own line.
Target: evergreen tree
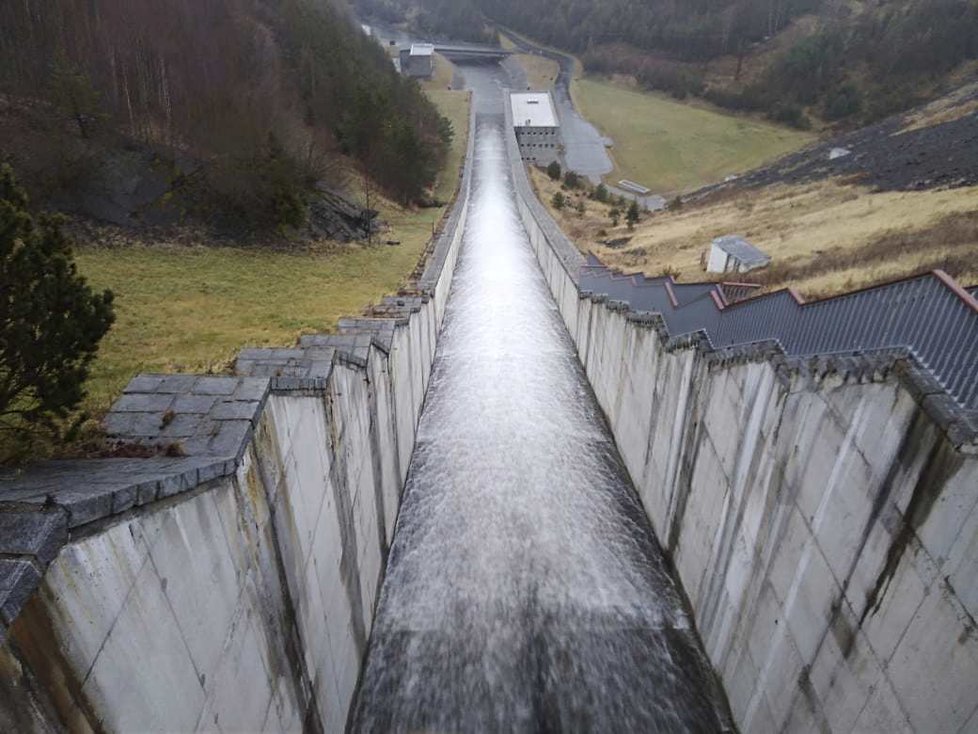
[52, 320]
[633, 214]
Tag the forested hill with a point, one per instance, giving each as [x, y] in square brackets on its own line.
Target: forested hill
[242, 106]
[839, 61]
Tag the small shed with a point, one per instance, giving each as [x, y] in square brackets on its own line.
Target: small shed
[733, 254]
[418, 61]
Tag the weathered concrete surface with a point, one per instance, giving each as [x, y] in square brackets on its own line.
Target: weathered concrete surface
[230, 588]
[824, 526]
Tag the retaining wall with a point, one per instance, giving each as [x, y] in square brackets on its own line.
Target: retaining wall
[231, 587]
[824, 526]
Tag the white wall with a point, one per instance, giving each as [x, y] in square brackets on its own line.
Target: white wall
[244, 604]
[717, 262]
[824, 529]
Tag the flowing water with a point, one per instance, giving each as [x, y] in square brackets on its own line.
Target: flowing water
[524, 589]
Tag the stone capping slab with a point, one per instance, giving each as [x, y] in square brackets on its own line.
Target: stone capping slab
[959, 425]
[207, 420]
[39, 509]
[189, 415]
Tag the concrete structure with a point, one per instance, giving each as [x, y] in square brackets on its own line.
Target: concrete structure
[821, 513]
[634, 188]
[536, 126]
[822, 520]
[418, 61]
[734, 254]
[232, 586]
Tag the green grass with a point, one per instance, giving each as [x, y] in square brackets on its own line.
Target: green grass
[455, 106]
[669, 146]
[190, 309]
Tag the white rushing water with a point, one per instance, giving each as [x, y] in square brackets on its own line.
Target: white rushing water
[524, 589]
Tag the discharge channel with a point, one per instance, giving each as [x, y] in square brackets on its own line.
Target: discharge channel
[525, 590]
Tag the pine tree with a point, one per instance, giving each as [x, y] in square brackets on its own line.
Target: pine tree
[52, 320]
[632, 215]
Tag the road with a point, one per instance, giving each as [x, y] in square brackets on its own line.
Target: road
[585, 149]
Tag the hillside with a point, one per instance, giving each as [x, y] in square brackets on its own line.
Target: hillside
[803, 62]
[883, 202]
[247, 115]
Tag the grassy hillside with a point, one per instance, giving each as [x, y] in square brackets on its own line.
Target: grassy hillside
[191, 308]
[671, 146]
[824, 237]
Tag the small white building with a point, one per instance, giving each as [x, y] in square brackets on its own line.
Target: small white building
[733, 254]
[536, 126]
[418, 61]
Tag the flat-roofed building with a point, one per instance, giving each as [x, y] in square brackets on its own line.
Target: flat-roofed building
[536, 125]
[418, 61]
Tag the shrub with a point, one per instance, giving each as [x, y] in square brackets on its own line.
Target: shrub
[558, 201]
[615, 215]
[572, 180]
[52, 323]
[792, 115]
[601, 193]
[553, 170]
[843, 102]
[633, 214]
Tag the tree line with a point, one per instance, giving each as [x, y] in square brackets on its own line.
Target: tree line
[264, 94]
[853, 63]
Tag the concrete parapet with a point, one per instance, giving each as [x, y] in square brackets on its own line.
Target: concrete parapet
[227, 580]
[822, 513]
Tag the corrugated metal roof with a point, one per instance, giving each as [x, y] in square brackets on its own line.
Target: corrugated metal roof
[741, 249]
[533, 109]
[422, 49]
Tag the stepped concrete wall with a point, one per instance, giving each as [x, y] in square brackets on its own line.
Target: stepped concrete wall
[824, 526]
[231, 587]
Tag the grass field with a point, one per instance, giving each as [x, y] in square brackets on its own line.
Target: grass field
[191, 308]
[824, 238]
[671, 146]
[540, 71]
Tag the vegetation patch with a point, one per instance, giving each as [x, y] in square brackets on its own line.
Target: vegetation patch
[669, 146]
[541, 72]
[824, 237]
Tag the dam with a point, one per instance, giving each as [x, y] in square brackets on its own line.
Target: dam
[524, 589]
[523, 494]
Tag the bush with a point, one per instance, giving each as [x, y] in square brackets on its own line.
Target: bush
[843, 102]
[615, 216]
[558, 201]
[633, 214]
[553, 170]
[601, 193]
[572, 180]
[52, 322]
[791, 115]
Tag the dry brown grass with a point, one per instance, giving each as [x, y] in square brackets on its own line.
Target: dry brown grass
[541, 72]
[824, 238]
[952, 107]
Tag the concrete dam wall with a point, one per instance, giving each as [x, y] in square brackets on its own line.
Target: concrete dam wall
[231, 587]
[822, 514]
